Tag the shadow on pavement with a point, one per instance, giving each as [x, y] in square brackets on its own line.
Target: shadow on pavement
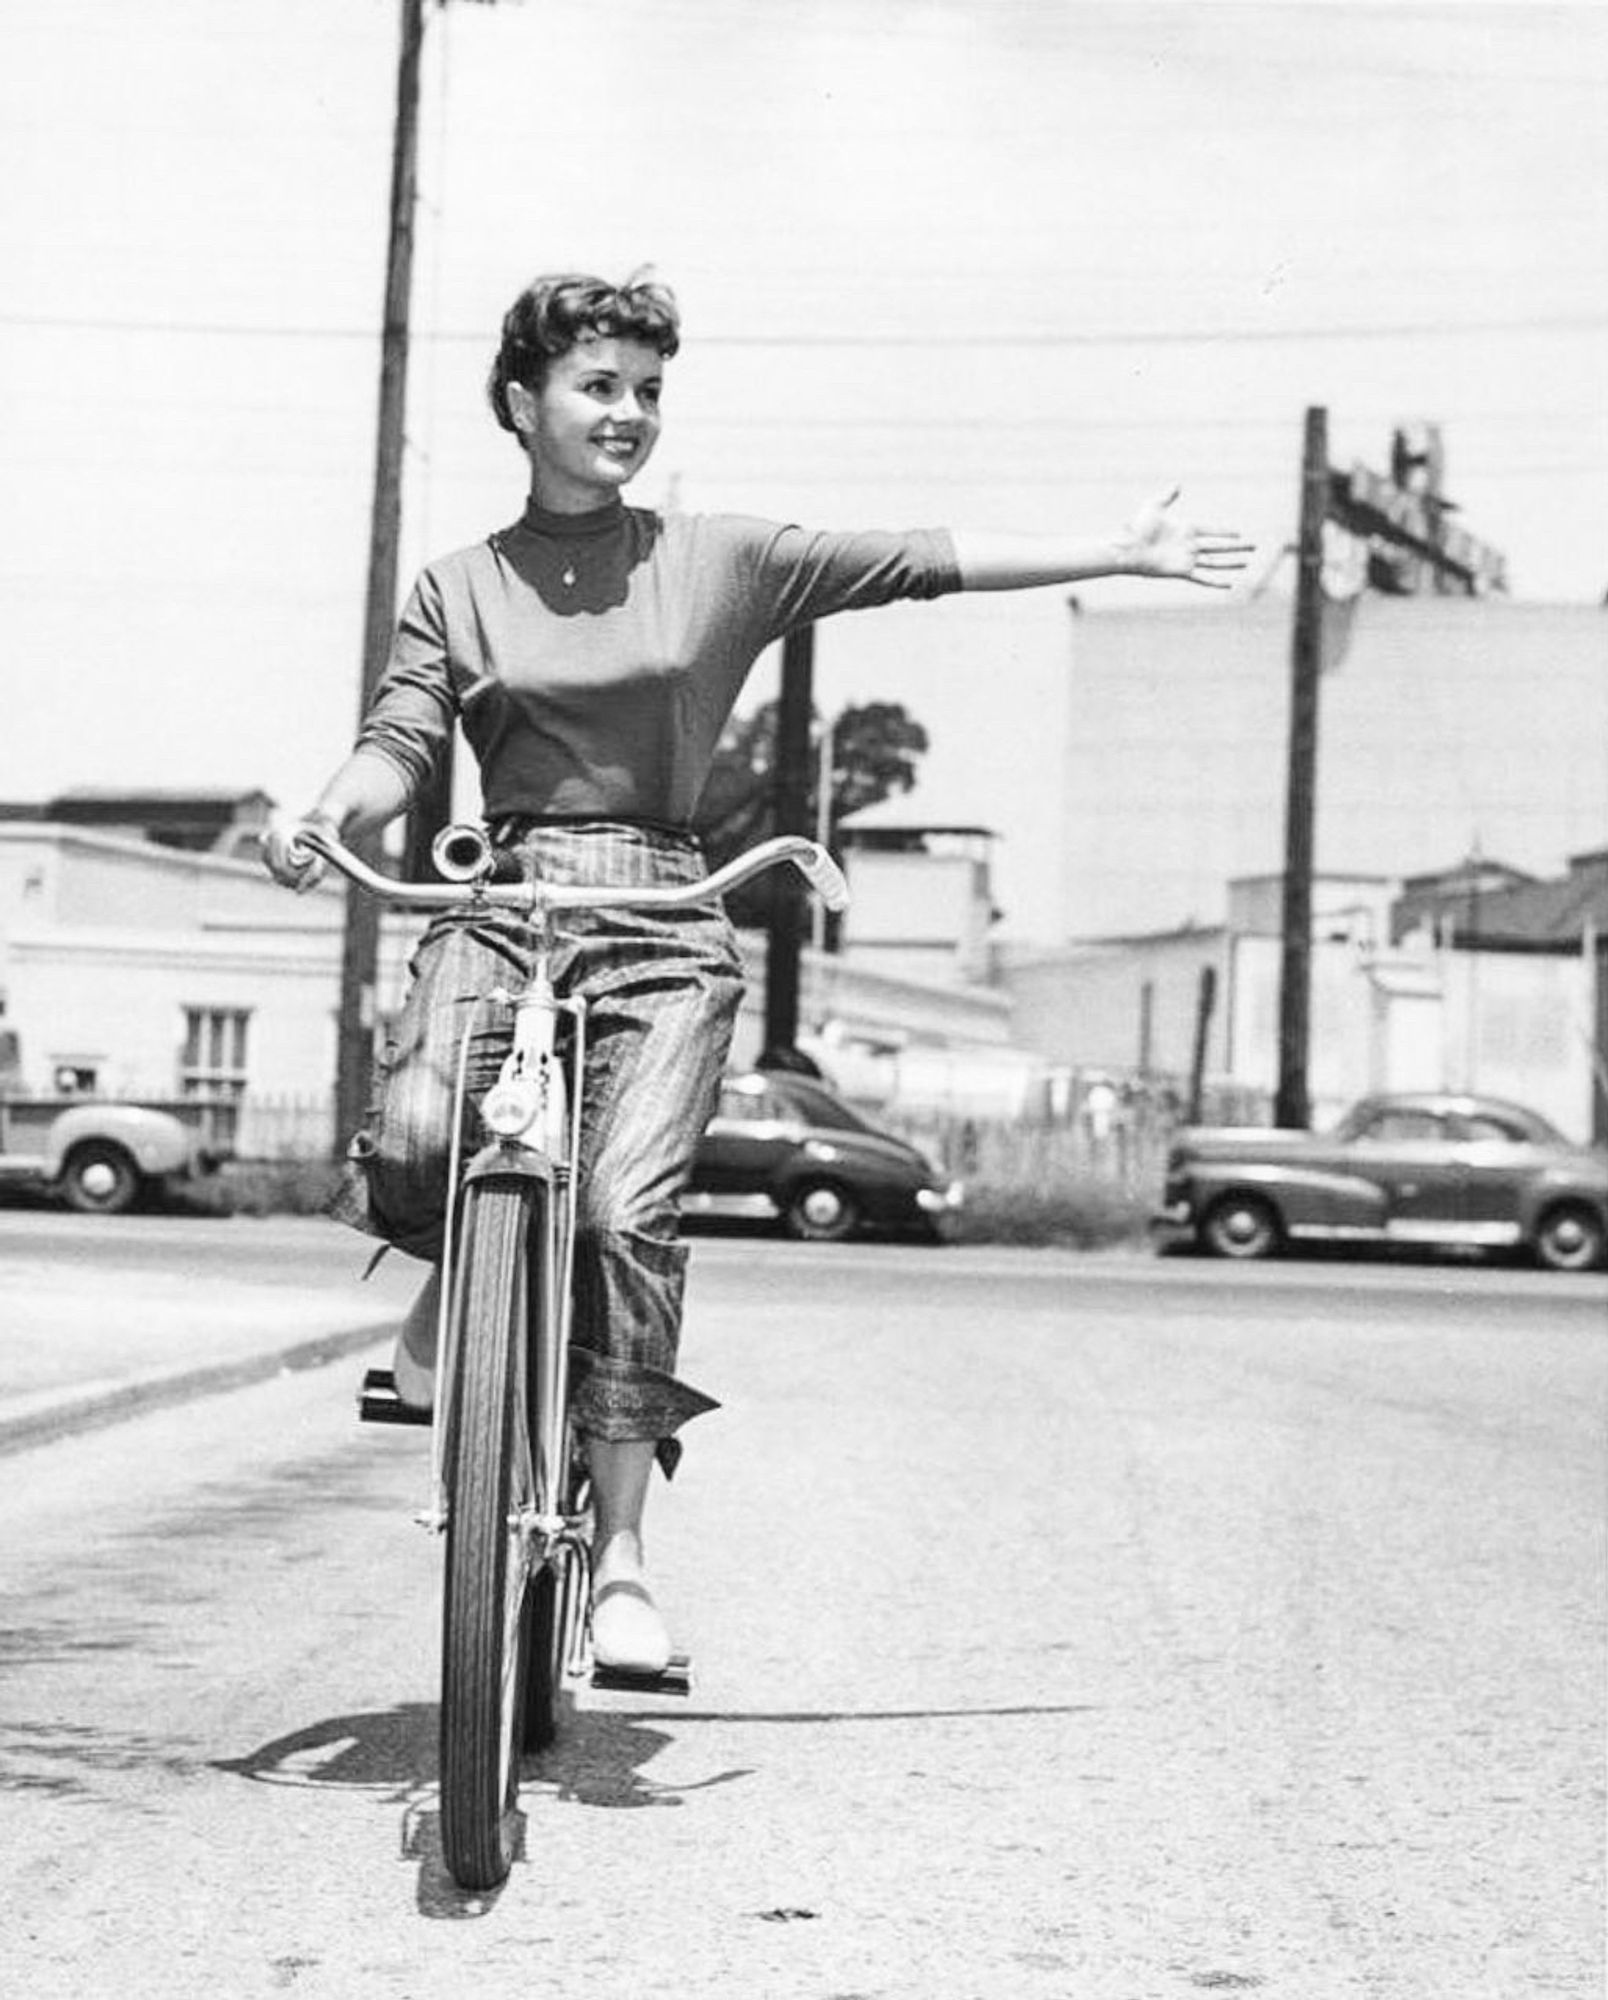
[599, 1760]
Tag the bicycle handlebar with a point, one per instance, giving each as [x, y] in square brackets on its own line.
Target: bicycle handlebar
[812, 861]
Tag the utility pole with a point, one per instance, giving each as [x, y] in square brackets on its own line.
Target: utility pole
[791, 794]
[1293, 1104]
[1404, 520]
[360, 952]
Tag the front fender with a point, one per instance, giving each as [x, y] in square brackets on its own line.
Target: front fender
[155, 1141]
[1304, 1196]
[1547, 1190]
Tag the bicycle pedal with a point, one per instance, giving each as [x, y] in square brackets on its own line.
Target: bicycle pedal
[676, 1678]
[379, 1403]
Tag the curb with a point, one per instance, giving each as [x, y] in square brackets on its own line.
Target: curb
[106, 1407]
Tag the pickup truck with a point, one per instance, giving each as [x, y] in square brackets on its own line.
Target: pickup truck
[101, 1156]
[1430, 1169]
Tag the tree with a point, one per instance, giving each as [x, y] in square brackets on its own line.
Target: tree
[875, 750]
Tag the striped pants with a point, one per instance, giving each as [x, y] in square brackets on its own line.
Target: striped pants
[662, 992]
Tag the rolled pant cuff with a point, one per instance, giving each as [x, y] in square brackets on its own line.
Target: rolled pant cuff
[618, 1400]
[353, 1203]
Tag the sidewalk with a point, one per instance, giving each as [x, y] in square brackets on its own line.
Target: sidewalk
[84, 1344]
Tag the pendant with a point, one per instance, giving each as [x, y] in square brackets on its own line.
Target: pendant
[568, 578]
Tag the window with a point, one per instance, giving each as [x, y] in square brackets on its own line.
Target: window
[1485, 1126]
[214, 1059]
[745, 1105]
[1404, 1127]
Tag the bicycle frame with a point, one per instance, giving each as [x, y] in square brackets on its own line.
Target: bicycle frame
[533, 1116]
[533, 1112]
[515, 1620]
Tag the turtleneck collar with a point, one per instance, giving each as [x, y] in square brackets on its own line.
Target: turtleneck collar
[596, 521]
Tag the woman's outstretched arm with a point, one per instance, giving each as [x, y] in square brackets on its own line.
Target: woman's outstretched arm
[1154, 543]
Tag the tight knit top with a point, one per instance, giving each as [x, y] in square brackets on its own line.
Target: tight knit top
[594, 658]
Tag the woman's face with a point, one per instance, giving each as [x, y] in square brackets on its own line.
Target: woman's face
[592, 424]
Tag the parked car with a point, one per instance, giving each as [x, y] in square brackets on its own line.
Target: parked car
[1426, 1169]
[783, 1145]
[101, 1156]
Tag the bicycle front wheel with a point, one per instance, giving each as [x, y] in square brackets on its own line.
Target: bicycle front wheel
[488, 1489]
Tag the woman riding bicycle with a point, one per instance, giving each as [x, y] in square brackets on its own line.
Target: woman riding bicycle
[592, 653]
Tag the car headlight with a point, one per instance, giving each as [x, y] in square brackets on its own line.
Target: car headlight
[940, 1200]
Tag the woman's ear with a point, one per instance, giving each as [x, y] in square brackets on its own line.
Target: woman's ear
[521, 407]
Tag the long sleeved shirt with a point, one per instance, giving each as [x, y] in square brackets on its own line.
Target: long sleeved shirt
[595, 658]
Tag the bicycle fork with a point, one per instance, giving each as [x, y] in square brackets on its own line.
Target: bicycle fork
[532, 1119]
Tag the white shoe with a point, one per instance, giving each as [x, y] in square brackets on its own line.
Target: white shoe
[628, 1634]
[415, 1383]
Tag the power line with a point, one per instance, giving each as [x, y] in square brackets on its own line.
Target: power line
[994, 338]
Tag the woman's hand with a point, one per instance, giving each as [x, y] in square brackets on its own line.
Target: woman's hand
[1152, 544]
[366, 793]
[1162, 545]
[286, 859]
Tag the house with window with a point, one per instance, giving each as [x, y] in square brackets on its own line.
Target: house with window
[142, 968]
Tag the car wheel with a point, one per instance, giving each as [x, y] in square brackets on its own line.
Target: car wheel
[1240, 1225]
[99, 1180]
[822, 1212]
[1570, 1238]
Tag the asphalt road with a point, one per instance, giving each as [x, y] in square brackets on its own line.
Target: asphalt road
[1099, 1628]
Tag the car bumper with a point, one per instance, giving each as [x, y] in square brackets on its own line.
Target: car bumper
[939, 1208]
[941, 1201]
[1172, 1224]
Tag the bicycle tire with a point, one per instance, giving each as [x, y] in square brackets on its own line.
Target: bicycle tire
[483, 1616]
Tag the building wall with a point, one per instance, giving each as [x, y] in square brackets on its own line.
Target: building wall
[105, 942]
[1124, 1007]
[1505, 1024]
[1512, 1024]
[918, 914]
[1450, 724]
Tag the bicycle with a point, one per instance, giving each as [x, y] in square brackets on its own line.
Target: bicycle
[507, 1489]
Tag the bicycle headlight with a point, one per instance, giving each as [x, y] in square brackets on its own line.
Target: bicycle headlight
[510, 1108]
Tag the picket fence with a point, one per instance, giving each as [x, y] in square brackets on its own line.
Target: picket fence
[1126, 1150]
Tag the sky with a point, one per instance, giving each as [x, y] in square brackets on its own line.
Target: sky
[1011, 264]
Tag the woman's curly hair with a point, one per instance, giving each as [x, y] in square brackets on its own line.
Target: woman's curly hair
[553, 312]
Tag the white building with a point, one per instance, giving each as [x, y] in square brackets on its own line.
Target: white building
[1514, 1004]
[1450, 723]
[134, 968]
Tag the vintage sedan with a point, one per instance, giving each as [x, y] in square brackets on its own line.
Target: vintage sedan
[783, 1145]
[1434, 1169]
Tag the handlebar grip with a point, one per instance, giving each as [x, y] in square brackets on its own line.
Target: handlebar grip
[826, 878]
[309, 840]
